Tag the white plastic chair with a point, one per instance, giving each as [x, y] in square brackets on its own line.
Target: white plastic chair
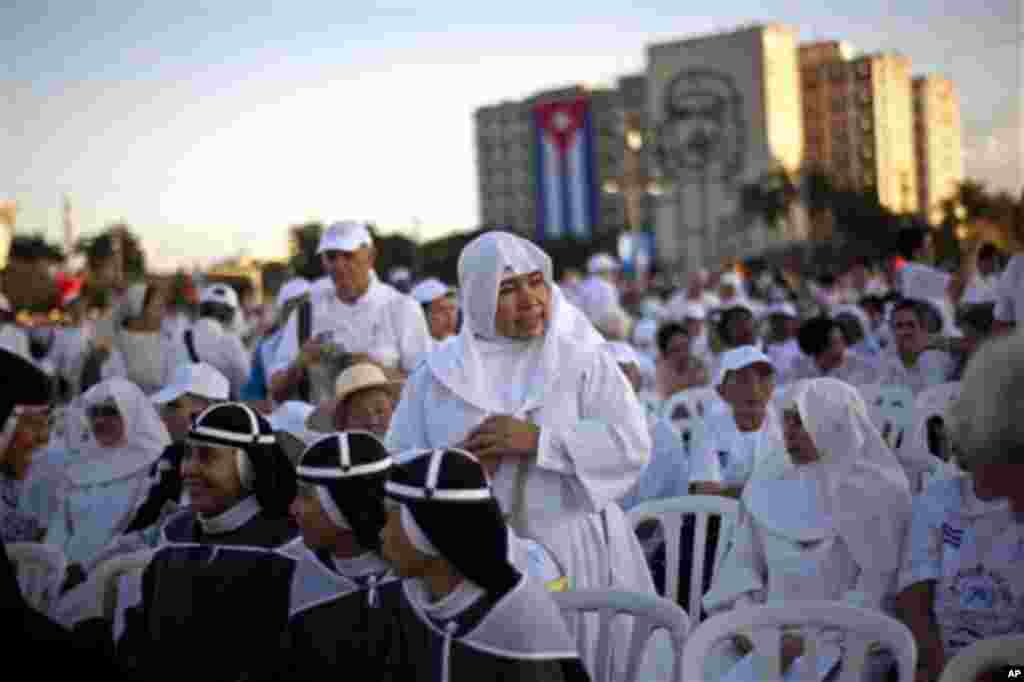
[983, 655]
[695, 400]
[921, 464]
[650, 613]
[669, 514]
[815, 621]
[41, 570]
[891, 409]
[938, 398]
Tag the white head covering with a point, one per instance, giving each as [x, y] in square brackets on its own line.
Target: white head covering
[602, 262]
[471, 364]
[145, 435]
[857, 490]
[429, 290]
[622, 353]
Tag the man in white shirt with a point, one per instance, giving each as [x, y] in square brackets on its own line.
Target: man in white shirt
[737, 440]
[910, 363]
[359, 319]
[209, 339]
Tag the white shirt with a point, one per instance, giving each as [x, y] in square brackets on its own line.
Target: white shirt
[217, 347]
[728, 456]
[974, 551]
[385, 324]
[933, 368]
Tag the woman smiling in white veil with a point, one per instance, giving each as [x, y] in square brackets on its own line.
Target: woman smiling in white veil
[527, 389]
[825, 522]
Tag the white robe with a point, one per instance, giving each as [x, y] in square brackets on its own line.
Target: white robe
[764, 567]
[594, 444]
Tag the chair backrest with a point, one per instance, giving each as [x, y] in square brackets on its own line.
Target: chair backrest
[938, 398]
[817, 622]
[923, 458]
[650, 613]
[891, 409]
[983, 655]
[41, 569]
[694, 400]
[669, 513]
[110, 572]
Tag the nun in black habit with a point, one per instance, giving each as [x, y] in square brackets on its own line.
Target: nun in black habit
[465, 613]
[215, 598]
[24, 428]
[343, 593]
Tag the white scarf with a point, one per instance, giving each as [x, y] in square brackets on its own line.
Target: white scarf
[478, 360]
[857, 490]
[145, 436]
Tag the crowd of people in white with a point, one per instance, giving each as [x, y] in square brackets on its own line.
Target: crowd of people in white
[401, 482]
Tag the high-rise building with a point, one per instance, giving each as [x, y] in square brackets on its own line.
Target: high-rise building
[517, 166]
[940, 168]
[858, 121]
[726, 108]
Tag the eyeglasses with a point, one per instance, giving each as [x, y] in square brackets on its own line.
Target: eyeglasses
[101, 411]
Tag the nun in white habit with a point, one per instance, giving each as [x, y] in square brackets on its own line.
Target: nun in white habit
[527, 389]
[109, 478]
[824, 523]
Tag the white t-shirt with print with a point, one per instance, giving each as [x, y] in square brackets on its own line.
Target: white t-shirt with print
[727, 455]
[974, 551]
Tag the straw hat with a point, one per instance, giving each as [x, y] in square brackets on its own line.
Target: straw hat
[356, 378]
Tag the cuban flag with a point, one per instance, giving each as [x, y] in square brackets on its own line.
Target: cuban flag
[566, 191]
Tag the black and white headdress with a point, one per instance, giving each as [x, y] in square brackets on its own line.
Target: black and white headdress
[29, 391]
[263, 466]
[349, 470]
[449, 510]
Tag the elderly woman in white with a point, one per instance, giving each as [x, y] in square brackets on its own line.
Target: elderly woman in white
[824, 523]
[109, 479]
[527, 389]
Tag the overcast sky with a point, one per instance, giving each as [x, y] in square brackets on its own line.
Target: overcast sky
[211, 127]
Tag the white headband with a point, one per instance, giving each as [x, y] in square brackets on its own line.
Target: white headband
[416, 535]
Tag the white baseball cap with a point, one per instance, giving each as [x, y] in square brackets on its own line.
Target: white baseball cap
[345, 235]
[741, 357]
[197, 378]
[220, 293]
[399, 274]
[430, 290]
[602, 262]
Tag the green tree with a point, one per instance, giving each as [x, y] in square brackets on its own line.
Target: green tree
[304, 240]
[101, 253]
[34, 247]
